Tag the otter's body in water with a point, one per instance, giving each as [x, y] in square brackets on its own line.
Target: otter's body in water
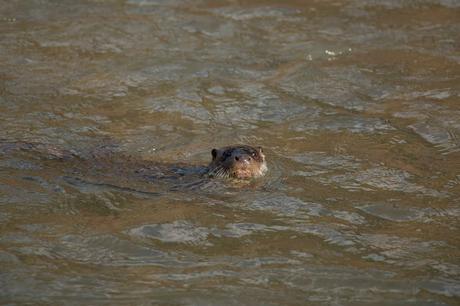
[104, 166]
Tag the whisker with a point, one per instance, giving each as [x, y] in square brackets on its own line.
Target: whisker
[219, 172]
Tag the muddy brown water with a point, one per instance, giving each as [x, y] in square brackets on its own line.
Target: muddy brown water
[355, 102]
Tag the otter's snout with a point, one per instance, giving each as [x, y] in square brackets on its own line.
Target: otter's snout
[242, 158]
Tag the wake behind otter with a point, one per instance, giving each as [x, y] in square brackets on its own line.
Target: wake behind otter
[111, 169]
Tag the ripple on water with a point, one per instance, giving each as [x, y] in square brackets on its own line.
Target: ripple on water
[337, 87]
[337, 123]
[402, 213]
[107, 250]
[243, 105]
[19, 164]
[380, 178]
[244, 14]
[7, 258]
[443, 136]
[394, 212]
[237, 230]
[179, 231]
[187, 109]
[255, 103]
[348, 173]
[286, 206]
[212, 27]
[324, 161]
[295, 211]
[412, 253]
[182, 231]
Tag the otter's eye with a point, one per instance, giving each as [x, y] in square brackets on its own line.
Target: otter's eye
[253, 154]
[227, 154]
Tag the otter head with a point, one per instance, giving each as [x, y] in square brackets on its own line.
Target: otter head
[238, 161]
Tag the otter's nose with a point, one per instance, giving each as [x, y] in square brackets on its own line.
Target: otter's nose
[243, 158]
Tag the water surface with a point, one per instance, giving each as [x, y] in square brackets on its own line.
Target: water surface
[356, 104]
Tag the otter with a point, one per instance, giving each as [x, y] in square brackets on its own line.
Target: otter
[233, 162]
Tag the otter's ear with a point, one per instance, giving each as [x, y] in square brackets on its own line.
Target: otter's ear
[260, 150]
[214, 154]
